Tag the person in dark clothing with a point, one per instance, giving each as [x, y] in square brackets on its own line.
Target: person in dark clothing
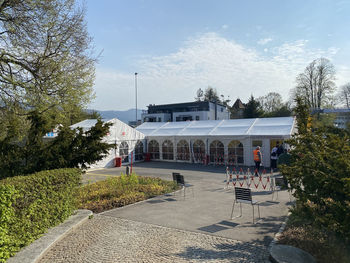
[280, 149]
[274, 157]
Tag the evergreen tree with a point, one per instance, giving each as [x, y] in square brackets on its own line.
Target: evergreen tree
[252, 109]
[319, 174]
[211, 95]
[71, 148]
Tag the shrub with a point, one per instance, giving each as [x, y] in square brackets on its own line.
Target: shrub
[120, 191]
[32, 204]
[319, 174]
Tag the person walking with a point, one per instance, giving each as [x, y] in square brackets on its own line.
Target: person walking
[257, 159]
[274, 157]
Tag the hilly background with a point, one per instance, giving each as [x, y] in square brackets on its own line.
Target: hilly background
[124, 116]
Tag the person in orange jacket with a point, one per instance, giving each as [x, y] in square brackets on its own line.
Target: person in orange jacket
[257, 159]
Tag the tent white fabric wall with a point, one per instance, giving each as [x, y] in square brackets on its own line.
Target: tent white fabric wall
[119, 132]
[246, 131]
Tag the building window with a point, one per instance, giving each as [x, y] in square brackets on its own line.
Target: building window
[198, 151]
[183, 151]
[217, 152]
[153, 149]
[168, 150]
[197, 118]
[159, 119]
[222, 109]
[235, 153]
[139, 151]
[124, 152]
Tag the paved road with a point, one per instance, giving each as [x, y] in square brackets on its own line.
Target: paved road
[171, 228]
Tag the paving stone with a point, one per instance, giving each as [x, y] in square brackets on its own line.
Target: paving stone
[110, 239]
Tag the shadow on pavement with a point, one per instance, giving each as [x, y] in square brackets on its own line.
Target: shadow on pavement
[239, 252]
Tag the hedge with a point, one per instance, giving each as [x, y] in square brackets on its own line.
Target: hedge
[30, 205]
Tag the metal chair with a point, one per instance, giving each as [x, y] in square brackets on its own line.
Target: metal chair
[180, 180]
[277, 184]
[244, 195]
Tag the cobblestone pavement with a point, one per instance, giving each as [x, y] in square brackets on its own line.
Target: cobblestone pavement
[108, 239]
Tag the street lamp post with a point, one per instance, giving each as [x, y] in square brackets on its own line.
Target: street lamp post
[136, 97]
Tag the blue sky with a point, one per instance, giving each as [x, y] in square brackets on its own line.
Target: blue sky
[238, 47]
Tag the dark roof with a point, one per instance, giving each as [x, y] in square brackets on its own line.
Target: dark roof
[238, 104]
[186, 106]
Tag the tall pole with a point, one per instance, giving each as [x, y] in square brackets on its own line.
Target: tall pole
[136, 96]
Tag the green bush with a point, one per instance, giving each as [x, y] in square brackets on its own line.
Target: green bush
[320, 174]
[122, 190]
[30, 205]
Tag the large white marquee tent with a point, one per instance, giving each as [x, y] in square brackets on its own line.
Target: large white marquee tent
[124, 138]
[216, 141]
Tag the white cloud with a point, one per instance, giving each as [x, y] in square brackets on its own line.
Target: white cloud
[264, 41]
[224, 27]
[208, 59]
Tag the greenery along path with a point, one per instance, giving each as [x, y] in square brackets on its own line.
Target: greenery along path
[171, 228]
[120, 191]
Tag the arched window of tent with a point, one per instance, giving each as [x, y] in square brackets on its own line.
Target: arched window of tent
[198, 151]
[124, 151]
[153, 149]
[217, 152]
[183, 151]
[139, 151]
[235, 153]
[168, 150]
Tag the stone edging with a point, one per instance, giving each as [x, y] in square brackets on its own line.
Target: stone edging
[279, 233]
[33, 252]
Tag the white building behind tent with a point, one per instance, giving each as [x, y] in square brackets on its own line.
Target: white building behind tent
[124, 138]
[216, 141]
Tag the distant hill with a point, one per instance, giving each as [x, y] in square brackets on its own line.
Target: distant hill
[124, 116]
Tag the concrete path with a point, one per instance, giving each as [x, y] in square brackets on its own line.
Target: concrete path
[173, 228]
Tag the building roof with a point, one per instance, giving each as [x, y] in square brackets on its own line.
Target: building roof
[179, 107]
[238, 105]
[281, 126]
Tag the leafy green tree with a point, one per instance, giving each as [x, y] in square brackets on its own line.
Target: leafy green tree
[45, 61]
[252, 109]
[319, 174]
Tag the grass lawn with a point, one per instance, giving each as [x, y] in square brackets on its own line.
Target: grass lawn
[120, 191]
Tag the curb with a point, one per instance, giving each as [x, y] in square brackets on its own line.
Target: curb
[33, 252]
[278, 234]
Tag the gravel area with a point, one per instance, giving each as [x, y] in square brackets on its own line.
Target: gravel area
[109, 239]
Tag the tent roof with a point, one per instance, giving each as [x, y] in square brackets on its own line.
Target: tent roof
[281, 126]
[118, 131]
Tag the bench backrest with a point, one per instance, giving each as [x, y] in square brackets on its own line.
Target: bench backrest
[243, 194]
[279, 181]
[178, 178]
[175, 176]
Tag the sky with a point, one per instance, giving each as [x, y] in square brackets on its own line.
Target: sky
[240, 48]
